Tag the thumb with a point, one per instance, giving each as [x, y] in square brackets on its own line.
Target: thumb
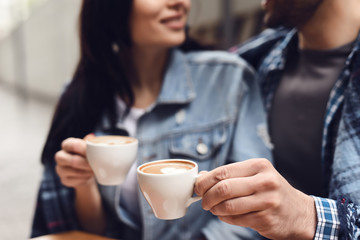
[197, 188]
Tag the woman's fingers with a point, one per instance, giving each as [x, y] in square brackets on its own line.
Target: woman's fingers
[72, 165]
[69, 172]
[74, 182]
[89, 136]
[72, 177]
[74, 145]
[66, 159]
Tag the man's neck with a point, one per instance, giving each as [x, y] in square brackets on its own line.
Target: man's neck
[333, 25]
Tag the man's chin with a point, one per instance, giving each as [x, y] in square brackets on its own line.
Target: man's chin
[271, 22]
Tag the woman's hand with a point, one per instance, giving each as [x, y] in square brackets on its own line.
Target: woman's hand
[253, 194]
[75, 171]
[72, 166]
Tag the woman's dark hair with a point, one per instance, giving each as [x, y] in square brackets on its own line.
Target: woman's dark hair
[99, 76]
[101, 73]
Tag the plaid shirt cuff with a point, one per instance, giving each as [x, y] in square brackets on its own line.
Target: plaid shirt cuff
[328, 221]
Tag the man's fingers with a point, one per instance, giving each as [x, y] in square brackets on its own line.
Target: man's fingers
[245, 220]
[228, 189]
[241, 205]
[241, 169]
[259, 221]
[203, 172]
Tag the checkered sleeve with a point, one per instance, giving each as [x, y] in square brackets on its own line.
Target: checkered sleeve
[328, 220]
[55, 209]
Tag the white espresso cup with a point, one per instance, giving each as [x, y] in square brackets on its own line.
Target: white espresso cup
[111, 157]
[168, 186]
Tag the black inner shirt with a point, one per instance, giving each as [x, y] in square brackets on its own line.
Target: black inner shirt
[296, 118]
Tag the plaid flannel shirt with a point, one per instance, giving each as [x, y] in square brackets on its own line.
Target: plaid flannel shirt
[339, 215]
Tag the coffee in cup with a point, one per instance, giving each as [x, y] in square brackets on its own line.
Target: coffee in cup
[112, 140]
[168, 186]
[111, 157]
[167, 167]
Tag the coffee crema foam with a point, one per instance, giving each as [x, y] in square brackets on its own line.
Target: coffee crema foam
[167, 167]
[112, 140]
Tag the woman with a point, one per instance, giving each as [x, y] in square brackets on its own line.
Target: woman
[132, 77]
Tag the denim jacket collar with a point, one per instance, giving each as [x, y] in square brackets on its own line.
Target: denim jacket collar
[177, 77]
[277, 57]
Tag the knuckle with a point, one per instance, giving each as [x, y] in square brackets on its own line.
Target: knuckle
[65, 144]
[72, 145]
[262, 164]
[222, 173]
[267, 183]
[76, 161]
[76, 146]
[57, 156]
[271, 202]
[265, 218]
[204, 204]
[271, 183]
[199, 189]
[229, 206]
[224, 189]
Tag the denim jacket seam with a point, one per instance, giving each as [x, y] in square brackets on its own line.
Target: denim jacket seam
[193, 129]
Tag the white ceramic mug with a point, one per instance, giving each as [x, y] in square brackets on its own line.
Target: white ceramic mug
[168, 192]
[111, 157]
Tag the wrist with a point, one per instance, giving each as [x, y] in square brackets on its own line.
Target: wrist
[88, 205]
[310, 219]
[87, 192]
[86, 186]
[306, 226]
[303, 221]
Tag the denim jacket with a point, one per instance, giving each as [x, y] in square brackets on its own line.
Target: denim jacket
[209, 110]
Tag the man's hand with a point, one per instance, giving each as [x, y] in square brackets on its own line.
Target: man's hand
[253, 194]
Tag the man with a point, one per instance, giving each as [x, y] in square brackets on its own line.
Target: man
[309, 72]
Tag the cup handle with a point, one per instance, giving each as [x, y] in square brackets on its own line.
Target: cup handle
[192, 200]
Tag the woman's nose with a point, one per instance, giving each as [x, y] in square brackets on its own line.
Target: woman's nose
[179, 3]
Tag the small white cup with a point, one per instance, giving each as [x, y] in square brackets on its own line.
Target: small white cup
[111, 160]
[168, 194]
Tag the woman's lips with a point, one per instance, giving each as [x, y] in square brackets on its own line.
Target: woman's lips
[175, 22]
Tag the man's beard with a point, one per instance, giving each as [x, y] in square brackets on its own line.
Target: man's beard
[290, 13]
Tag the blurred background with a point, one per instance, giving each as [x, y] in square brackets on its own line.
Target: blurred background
[38, 54]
